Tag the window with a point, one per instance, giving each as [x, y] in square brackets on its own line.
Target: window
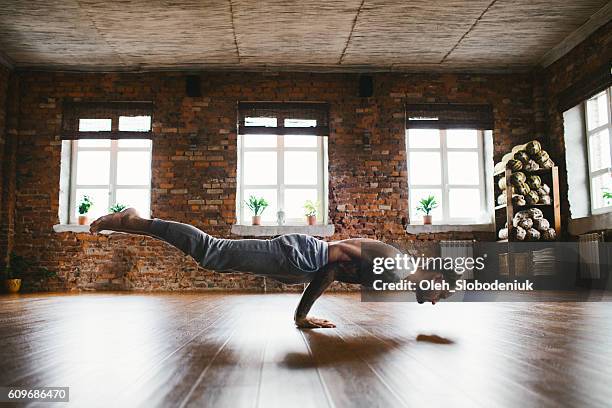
[109, 171]
[286, 169]
[448, 164]
[599, 132]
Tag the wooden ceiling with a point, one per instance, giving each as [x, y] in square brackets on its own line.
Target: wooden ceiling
[312, 35]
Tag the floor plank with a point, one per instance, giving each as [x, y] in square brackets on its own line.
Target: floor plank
[242, 350]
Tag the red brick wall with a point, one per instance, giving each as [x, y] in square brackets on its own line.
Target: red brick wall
[4, 169]
[576, 65]
[4, 81]
[194, 157]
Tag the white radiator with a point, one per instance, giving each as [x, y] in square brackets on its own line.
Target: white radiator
[458, 249]
[588, 248]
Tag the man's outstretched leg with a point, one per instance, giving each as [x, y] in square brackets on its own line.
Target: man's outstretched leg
[275, 258]
[205, 249]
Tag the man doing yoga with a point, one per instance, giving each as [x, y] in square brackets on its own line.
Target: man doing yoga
[291, 258]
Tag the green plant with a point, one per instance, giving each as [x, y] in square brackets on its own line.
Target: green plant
[607, 195]
[118, 208]
[310, 208]
[7, 273]
[18, 266]
[46, 274]
[256, 205]
[85, 204]
[427, 204]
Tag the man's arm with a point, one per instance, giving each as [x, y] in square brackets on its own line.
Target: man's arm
[314, 290]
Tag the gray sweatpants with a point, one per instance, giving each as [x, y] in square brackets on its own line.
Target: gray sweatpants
[291, 258]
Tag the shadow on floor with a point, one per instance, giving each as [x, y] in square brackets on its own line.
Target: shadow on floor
[433, 338]
[330, 349]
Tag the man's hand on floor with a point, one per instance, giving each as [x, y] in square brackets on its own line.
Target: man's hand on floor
[313, 323]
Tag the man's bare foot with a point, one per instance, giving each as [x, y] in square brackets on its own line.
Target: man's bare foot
[313, 323]
[124, 221]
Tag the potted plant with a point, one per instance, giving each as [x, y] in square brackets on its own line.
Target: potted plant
[426, 205]
[257, 206]
[117, 208]
[310, 210]
[607, 196]
[84, 206]
[13, 273]
[17, 268]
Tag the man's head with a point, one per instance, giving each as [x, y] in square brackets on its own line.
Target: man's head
[434, 286]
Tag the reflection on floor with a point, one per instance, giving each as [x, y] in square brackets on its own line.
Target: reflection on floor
[229, 350]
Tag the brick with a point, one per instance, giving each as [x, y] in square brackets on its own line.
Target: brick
[195, 158]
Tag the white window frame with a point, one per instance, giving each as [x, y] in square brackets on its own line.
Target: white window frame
[112, 185]
[445, 187]
[280, 186]
[589, 133]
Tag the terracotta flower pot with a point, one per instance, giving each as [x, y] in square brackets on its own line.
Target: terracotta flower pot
[12, 285]
[83, 220]
[312, 219]
[427, 219]
[256, 220]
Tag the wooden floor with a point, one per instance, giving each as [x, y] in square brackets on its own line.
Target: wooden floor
[234, 350]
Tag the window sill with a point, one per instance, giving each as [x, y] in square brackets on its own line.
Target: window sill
[273, 230]
[75, 228]
[437, 228]
[592, 223]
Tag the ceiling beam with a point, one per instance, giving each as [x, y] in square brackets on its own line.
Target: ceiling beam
[596, 21]
[274, 69]
[231, 7]
[468, 31]
[350, 36]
